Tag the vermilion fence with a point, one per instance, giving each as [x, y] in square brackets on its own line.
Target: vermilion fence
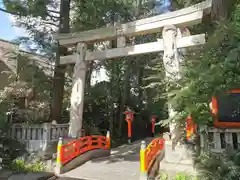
[149, 154]
[153, 150]
[67, 152]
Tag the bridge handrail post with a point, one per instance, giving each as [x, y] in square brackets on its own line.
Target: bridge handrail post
[108, 140]
[59, 156]
[143, 168]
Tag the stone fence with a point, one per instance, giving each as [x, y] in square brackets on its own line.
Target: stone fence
[218, 139]
[37, 136]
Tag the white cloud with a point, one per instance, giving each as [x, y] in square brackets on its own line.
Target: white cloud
[18, 31]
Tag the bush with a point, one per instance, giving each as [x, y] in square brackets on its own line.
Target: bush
[21, 166]
[212, 166]
[179, 176]
[10, 149]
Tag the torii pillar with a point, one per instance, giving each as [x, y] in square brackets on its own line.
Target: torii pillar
[172, 64]
[77, 95]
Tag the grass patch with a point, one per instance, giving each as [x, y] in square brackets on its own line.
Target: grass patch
[179, 176]
[21, 166]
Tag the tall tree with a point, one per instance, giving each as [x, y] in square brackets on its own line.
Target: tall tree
[40, 19]
[59, 71]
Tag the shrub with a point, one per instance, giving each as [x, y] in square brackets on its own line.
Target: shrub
[212, 166]
[179, 176]
[21, 166]
[10, 148]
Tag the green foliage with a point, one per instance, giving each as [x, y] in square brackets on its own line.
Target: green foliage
[10, 149]
[212, 71]
[39, 18]
[24, 8]
[211, 166]
[21, 166]
[94, 14]
[29, 81]
[179, 176]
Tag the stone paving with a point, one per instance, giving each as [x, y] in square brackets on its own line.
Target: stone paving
[123, 164]
[178, 160]
[9, 175]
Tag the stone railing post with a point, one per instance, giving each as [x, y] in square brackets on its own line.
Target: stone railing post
[24, 132]
[46, 134]
[13, 131]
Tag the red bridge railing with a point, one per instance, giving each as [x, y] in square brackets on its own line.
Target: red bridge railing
[67, 152]
[149, 154]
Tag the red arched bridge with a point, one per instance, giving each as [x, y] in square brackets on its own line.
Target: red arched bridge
[91, 158]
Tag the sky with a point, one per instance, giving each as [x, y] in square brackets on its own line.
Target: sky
[7, 31]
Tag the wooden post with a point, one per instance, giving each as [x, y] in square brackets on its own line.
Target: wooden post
[77, 96]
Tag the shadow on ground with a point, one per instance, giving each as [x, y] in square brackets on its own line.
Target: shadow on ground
[127, 152]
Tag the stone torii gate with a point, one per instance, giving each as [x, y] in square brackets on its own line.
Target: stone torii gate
[169, 23]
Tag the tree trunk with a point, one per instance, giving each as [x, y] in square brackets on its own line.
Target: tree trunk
[111, 108]
[139, 62]
[110, 105]
[139, 83]
[221, 9]
[126, 88]
[125, 95]
[59, 72]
